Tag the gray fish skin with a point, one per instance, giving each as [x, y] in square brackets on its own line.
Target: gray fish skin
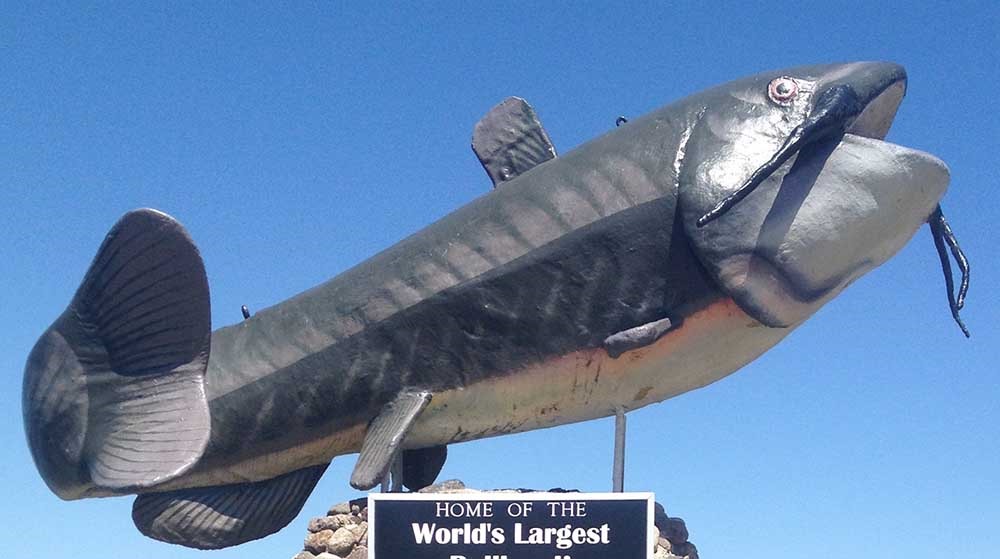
[545, 258]
[500, 308]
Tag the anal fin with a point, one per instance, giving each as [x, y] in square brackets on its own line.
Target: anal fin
[385, 438]
[509, 140]
[225, 515]
[421, 466]
[634, 338]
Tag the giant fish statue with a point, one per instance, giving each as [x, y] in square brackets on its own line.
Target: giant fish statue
[653, 260]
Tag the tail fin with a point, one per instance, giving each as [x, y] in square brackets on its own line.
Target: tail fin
[113, 394]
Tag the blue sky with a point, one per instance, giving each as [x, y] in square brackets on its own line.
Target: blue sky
[294, 142]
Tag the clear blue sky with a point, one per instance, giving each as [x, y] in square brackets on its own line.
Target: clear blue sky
[294, 142]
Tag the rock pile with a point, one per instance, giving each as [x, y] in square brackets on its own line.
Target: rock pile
[343, 532]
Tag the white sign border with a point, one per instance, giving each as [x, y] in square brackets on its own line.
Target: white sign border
[516, 495]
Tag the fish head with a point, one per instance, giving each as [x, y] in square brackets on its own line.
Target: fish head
[788, 191]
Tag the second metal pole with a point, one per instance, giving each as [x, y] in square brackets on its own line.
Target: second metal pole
[396, 473]
[618, 476]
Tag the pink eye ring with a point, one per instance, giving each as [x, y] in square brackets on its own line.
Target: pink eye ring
[782, 90]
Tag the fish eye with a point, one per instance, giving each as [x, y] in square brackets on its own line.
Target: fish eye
[782, 90]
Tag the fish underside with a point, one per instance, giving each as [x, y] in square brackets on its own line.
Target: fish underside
[651, 261]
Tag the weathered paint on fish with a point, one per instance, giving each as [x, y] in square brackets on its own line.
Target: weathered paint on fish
[648, 262]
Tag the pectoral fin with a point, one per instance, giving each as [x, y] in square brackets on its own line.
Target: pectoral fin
[634, 338]
[385, 437]
[225, 515]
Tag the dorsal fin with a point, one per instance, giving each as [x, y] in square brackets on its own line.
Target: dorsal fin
[385, 437]
[225, 515]
[510, 139]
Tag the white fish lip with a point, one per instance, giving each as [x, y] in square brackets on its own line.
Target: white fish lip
[826, 220]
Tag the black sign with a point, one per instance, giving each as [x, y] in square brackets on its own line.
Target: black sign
[510, 526]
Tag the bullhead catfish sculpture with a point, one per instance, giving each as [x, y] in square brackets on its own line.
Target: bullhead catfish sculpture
[648, 262]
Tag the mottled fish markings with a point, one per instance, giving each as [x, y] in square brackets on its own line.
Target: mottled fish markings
[646, 263]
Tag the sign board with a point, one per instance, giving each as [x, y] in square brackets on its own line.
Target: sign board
[510, 525]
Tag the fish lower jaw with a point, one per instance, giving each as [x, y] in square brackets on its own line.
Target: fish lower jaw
[764, 292]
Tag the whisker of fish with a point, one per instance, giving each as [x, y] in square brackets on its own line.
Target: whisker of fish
[944, 240]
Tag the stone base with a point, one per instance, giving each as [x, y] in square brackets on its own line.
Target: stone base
[343, 532]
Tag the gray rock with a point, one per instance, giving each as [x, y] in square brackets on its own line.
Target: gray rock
[316, 541]
[304, 555]
[360, 502]
[341, 542]
[339, 508]
[332, 522]
[359, 531]
[319, 524]
[360, 552]
[449, 486]
[326, 555]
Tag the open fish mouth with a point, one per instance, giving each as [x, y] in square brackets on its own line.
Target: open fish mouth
[855, 115]
[874, 122]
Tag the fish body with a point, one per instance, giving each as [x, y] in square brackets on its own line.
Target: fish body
[634, 268]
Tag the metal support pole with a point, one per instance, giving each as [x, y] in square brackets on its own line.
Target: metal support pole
[393, 480]
[618, 476]
[396, 473]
